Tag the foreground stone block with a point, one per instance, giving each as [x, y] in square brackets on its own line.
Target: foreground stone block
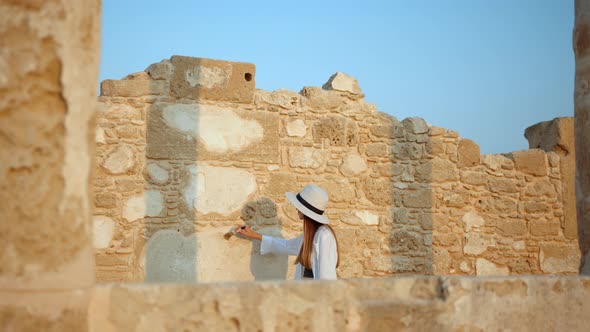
[199, 78]
[532, 162]
[393, 304]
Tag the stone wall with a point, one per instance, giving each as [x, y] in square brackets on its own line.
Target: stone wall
[189, 148]
[415, 303]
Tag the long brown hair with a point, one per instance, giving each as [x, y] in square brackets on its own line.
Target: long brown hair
[310, 227]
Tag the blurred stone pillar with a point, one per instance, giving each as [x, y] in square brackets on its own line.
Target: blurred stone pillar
[49, 53]
[582, 118]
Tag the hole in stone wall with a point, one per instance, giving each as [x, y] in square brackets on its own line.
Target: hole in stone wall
[248, 77]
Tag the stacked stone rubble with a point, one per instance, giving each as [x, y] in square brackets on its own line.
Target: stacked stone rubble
[189, 148]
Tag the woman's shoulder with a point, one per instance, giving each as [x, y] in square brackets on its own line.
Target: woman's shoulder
[324, 233]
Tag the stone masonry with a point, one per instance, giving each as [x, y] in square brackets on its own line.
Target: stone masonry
[189, 148]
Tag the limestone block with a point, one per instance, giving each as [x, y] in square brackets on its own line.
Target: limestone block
[199, 78]
[468, 153]
[307, 157]
[442, 262]
[367, 217]
[296, 128]
[212, 189]
[483, 267]
[281, 98]
[337, 129]
[477, 243]
[149, 204]
[132, 88]
[511, 228]
[472, 221]
[105, 200]
[319, 99]
[204, 132]
[169, 256]
[418, 199]
[495, 161]
[383, 131]
[342, 82]
[499, 205]
[160, 71]
[502, 185]
[378, 191]
[377, 150]
[390, 169]
[532, 162]
[544, 227]
[415, 125]
[556, 258]
[353, 164]
[119, 160]
[119, 112]
[405, 151]
[280, 183]
[102, 230]
[536, 207]
[339, 190]
[436, 170]
[99, 136]
[473, 178]
[404, 241]
[555, 135]
[156, 174]
[540, 188]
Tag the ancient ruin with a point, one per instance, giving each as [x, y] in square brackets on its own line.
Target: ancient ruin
[189, 148]
[406, 199]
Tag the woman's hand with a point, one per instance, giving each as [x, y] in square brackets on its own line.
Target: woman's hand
[248, 232]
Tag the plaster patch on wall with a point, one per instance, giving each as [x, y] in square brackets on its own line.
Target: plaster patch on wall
[484, 267]
[367, 217]
[119, 160]
[150, 204]
[102, 231]
[157, 173]
[208, 77]
[170, 257]
[218, 189]
[220, 130]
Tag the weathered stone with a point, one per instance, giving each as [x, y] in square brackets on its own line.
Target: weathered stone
[296, 128]
[404, 151]
[468, 153]
[102, 230]
[119, 160]
[499, 205]
[511, 228]
[212, 189]
[199, 78]
[502, 185]
[281, 98]
[390, 169]
[473, 178]
[472, 221]
[377, 150]
[157, 174]
[353, 165]
[307, 157]
[419, 199]
[445, 239]
[555, 135]
[340, 190]
[383, 131]
[280, 183]
[544, 228]
[342, 82]
[495, 161]
[536, 207]
[532, 162]
[320, 99]
[403, 241]
[378, 191]
[160, 71]
[556, 258]
[132, 88]
[540, 188]
[442, 261]
[436, 170]
[477, 243]
[483, 267]
[105, 200]
[119, 111]
[337, 129]
[150, 204]
[415, 125]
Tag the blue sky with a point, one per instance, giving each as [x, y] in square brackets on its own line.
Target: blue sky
[485, 68]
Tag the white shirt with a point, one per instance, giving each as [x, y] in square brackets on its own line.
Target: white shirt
[324, 255]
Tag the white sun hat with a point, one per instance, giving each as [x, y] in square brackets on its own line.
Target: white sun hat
[311, 201]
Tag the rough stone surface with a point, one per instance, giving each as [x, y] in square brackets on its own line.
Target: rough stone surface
[296, 128]
[119, 161]
[307, 157]
[468, 153]
[150, 204]
[342, 82]
[199, 78]
[486, 268]
[352, 165]
[532, 162]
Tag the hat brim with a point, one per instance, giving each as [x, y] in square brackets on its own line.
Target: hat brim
[322, 219]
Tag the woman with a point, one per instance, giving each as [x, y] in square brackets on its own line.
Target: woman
[316, 248]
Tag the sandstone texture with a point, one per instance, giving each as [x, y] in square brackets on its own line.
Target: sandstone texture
[406, 197]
